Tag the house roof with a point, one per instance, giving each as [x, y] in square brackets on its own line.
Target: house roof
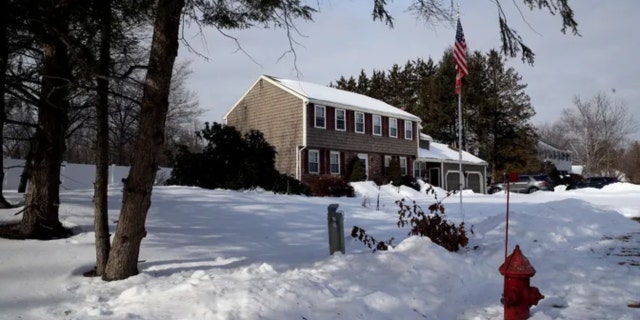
[340, 98]
[546, 145]
[443, 153]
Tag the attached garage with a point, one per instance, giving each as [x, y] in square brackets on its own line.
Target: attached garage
[439, 165]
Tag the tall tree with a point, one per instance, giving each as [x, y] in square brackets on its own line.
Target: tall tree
[506, 112]
[4, 58]
[40, 218]
[123, 257]
[630, 162]
[597, 129]
[101, 214]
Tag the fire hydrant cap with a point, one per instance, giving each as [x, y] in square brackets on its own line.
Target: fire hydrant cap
[517, 265]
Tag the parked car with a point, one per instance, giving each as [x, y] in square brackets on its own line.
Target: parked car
[526, 184]
[592, 182]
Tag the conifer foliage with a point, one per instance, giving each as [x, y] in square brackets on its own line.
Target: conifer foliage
[232, 161]
[496, 110]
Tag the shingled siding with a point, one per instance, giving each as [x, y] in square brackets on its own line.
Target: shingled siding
[277, 114]
[329, 138]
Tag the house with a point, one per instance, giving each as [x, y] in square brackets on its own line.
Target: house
[560, 158]
[439, 165]
[317, 130]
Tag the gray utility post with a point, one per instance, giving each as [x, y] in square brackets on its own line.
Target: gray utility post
[335, 222]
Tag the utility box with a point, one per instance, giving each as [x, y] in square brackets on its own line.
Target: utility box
[335, 223]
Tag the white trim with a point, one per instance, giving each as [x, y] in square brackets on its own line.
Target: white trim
[304, 123]
[410, 129]
[355, 122]
[331, 154]
[396, 126]
[317, 152]
[344, 119]
[268, 79]
[373, 124]
[315, 116]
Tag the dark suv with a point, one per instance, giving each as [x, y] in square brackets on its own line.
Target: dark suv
[592, 182]
[526, 184]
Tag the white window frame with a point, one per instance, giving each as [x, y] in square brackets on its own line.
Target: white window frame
[316, 117]
[408, 130]
[355, 122]
[403, 166]
[344, 120]
[377, 129]
[394, 126]
[333, 154]
[317, 156]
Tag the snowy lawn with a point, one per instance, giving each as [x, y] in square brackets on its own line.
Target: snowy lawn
[219, 254]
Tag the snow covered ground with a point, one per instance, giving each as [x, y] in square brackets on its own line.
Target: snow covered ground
[219, 254]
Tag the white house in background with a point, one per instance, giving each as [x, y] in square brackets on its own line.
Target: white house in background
[438, 164]
[559, 157]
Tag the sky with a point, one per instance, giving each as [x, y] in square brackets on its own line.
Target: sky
[235, 255]
[343, 40]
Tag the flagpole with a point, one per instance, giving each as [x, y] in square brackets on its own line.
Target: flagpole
[459, 57]
[461, 175]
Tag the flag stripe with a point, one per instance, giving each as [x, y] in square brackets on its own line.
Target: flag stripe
[459, 56]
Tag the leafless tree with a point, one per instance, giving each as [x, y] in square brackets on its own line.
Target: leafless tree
[597, 130]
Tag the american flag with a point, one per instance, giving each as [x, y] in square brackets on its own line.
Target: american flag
[459, 57]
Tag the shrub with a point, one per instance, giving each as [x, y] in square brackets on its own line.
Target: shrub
[433, 225]
[330, 186]
[393, 173]
[355, 170]
[232, 161]
[289, 185]
[410, 182]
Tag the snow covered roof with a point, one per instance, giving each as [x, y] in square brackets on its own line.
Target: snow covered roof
[335, 97]
[546, 145]
[426, 137]
[443, 153]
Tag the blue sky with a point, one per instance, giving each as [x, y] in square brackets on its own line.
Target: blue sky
[343, 39]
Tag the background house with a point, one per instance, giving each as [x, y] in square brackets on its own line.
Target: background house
[438, 164]
[560, 158]
[317, 130]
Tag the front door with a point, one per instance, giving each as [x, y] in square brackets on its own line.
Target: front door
[364, 158]
[434, 177]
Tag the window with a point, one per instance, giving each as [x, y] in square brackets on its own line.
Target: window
[314, 161]
[320, 117]
[340, 120]
[377, 125]
[393, 127]
[387, 159]
[408, 130]
[334, 160]
[359, 122]
[403, 166]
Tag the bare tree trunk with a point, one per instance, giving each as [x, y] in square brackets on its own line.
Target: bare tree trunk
[40, 219]
[26, 171]
[123, 258]
[101, 213]
[4, 56]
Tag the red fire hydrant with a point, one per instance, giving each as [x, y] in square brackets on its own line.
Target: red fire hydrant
[518, 295]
